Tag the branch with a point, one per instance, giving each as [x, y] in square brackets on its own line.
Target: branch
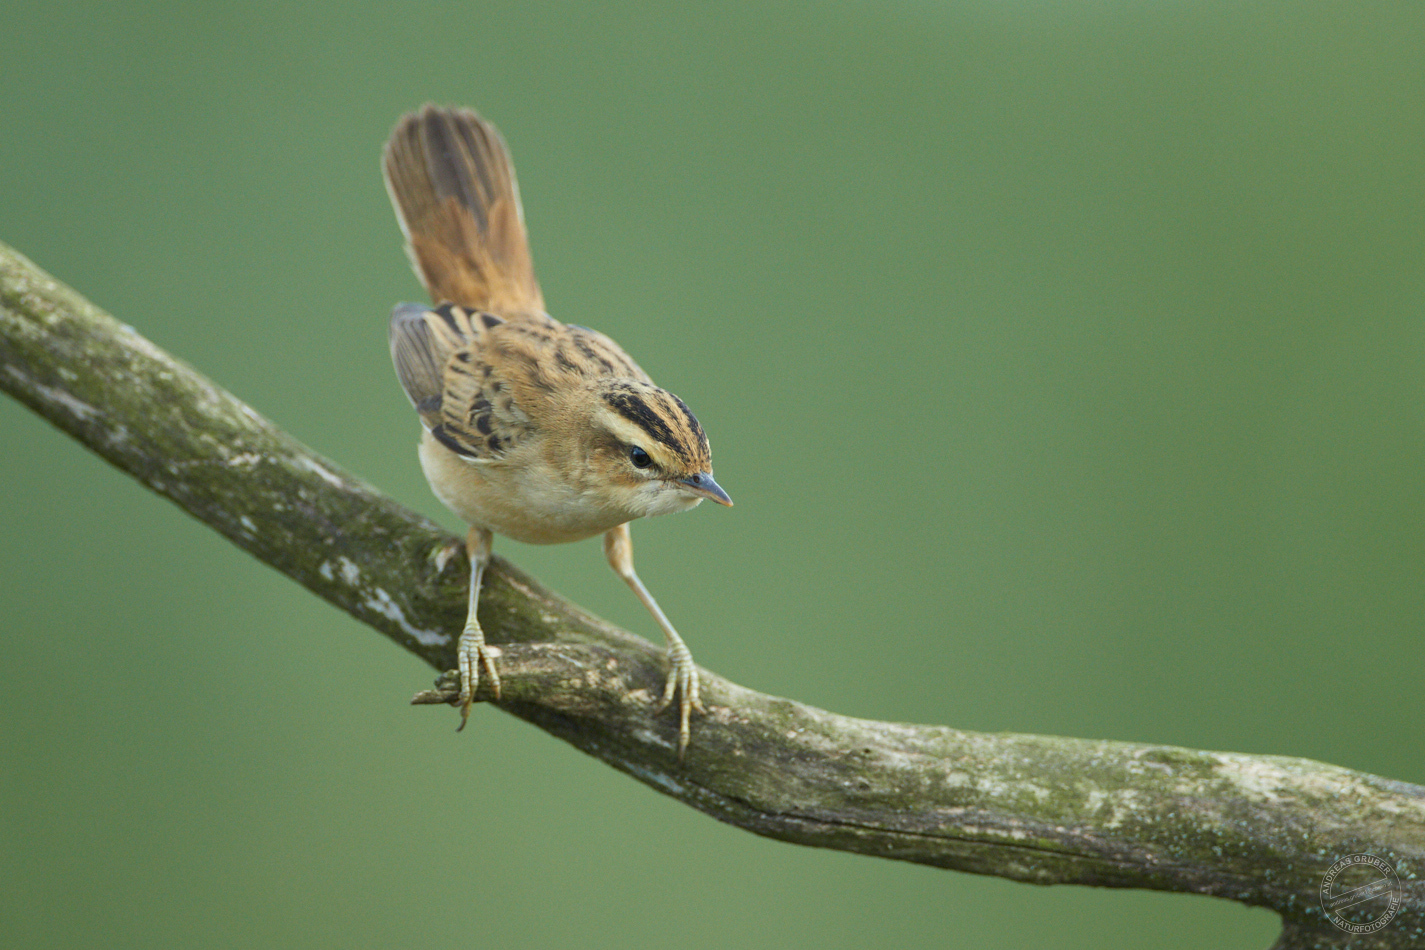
[1262, 830]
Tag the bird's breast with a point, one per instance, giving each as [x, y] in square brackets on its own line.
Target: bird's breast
[521, 496]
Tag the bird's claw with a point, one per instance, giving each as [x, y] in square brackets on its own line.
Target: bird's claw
[682, 685]
[474, 653]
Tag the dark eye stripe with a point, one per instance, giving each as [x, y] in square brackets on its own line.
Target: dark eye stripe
[636, 409]
[666, 420]
[691, 421]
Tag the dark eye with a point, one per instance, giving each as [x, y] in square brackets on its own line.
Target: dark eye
[639, 458]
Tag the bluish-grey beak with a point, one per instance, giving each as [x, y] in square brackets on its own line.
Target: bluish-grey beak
[703, 484]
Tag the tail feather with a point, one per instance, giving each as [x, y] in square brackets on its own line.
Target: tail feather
[454, 190]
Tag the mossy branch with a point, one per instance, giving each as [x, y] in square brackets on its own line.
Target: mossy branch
[1262, 830]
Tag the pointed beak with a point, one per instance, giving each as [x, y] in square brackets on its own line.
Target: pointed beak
[703, 484]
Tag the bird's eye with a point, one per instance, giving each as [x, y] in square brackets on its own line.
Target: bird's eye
[639, 458]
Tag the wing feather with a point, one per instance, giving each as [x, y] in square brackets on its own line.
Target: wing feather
[442, 360]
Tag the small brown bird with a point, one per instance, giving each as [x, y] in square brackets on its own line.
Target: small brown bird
[537, 430]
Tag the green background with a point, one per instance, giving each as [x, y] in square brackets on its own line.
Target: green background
[1065, 361]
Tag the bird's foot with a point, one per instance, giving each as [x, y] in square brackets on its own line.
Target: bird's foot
[682, 685]
[474, 653]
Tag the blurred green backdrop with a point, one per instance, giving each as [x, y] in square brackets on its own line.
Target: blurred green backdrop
[1065, 361]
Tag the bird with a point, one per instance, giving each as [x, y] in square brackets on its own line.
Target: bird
[532, 429]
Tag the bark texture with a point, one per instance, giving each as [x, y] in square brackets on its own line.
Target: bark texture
[1262, 830]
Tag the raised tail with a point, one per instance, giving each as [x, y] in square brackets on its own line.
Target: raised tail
[453, 187]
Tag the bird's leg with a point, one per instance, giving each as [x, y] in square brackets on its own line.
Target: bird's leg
[682, 673]
[472, 651]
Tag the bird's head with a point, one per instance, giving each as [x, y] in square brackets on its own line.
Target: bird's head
[649, 450]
